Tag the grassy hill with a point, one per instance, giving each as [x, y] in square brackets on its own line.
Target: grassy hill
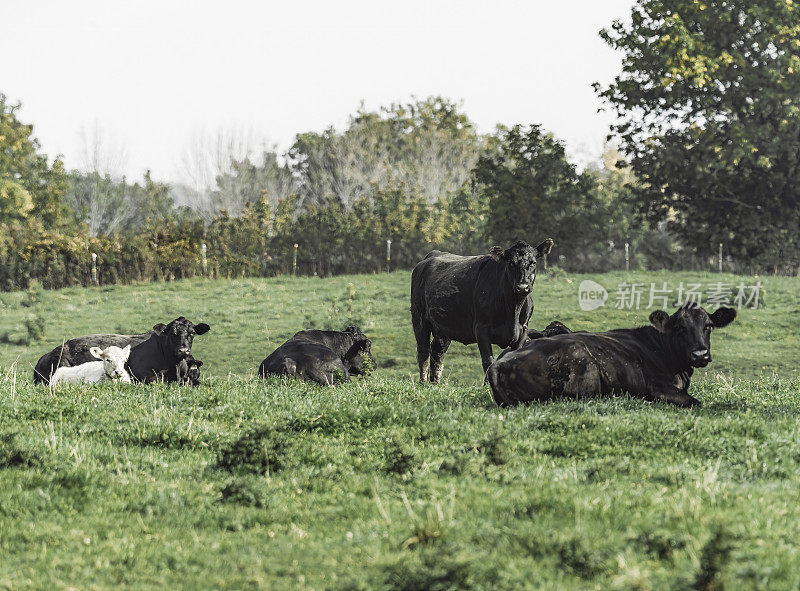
[385, 483]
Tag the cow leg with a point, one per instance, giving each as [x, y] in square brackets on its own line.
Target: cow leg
[484, 346]
[516, 382]
[422, 333]
[678, 398]
[439, 348]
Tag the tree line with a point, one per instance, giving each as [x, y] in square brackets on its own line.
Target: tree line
[707, 136]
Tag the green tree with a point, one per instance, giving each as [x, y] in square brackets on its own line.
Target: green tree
[248, 182]
[708, 115]
[534, 192]
[426, 147]
[15, 202]
[29, 186]
[107, 205]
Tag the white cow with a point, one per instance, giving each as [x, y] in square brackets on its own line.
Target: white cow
[110, 368]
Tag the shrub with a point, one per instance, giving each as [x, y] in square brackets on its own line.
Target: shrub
[259, 450]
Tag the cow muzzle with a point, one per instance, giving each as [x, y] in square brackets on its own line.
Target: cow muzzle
[183, 352]
[701, 358]
[522, 288]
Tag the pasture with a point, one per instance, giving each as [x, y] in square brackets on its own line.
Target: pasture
[384, 483]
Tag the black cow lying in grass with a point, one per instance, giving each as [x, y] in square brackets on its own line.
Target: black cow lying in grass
[322, 356]
[187, 372]
[155, 354]
[192, 375]
[483, 299]
[650, 362]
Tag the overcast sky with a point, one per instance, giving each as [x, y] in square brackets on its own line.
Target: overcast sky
[153, 75]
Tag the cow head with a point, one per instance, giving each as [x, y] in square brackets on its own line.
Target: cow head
[519, 261]
[178, 336]
[193, 371]
[359, 359]
[689, 329]
[113, 359]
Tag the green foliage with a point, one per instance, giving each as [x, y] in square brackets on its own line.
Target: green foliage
[15, 202]
[34, 324]
[366, 364]
[108, 206]
[399, 460]
[248, 183]
[494, 448]
[29, 186]
[247, 491]
[417, 174]
[16, 453]
[426, 148]
[713, 559]
[706, 112]
[259, 450]
[534, 193]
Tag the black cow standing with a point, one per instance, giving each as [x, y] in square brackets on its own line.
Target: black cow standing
[322, 356]
[483, 299]
[156, 355]
[650, 362]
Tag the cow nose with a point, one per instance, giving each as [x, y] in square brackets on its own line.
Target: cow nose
[701, 354]
[523, 287]
[184, 351]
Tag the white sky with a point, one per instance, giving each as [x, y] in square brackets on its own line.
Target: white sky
[153, 74]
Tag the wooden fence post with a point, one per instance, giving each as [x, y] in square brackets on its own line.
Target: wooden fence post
[94, 269]
[294, 259]
[388, 255]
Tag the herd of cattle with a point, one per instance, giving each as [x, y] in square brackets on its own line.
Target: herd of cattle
[483, 299]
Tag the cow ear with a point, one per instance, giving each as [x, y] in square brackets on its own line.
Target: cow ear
[366, 345]
[159, 328]
[96, 352]
[126, 351]
[198, 363]
[496, 252]
[544, 247]
[201, 328]
[723, 317]
[658, 318]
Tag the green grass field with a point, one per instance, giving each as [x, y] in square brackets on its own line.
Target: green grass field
[384, 483]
